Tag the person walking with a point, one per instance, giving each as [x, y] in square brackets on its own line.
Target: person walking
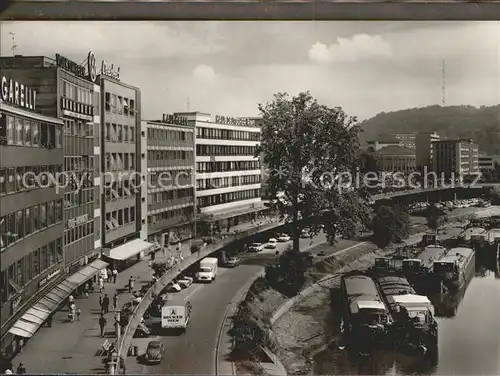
[71, 300]
[115, 274]
[131, 284]
[102, 324]
[110, 274]
[105, 304]
[78, 313]
[101, 283]
[115, 301]
[21, 369]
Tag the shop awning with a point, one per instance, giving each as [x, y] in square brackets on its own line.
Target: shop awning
[34, 317]
[130, 249]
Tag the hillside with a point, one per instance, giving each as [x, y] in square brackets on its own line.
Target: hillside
[480, 124]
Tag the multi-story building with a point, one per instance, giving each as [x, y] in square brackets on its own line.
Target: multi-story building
[486, 162]
[424, 151]
[455, 159]
[228, 172]
[171, 179]
[396, 159]
[406, 139]
[31, 204]
[122, 178]
[373, 146]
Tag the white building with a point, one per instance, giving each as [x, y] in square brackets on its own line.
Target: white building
[228, 174]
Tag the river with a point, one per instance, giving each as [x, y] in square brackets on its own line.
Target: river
[469, 337]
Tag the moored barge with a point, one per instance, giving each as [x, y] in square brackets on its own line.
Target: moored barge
[419, 270]
[366, 317]
[455, 267]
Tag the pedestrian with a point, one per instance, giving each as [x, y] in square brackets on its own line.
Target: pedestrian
[102, 324]
[101, 283]
[21, 369]
[110, 274]
[105, 304]
[78, 313]
[115, 301]
[100, 301]
[71, 300]
[130, 284]
[115, 274]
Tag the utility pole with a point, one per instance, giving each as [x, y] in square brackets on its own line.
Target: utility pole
[14, 45]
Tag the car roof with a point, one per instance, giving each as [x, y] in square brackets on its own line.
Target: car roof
[154, 344]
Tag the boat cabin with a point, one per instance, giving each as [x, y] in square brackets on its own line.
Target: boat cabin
[369, 312]
[412, 307]
[411, 266]
[428, 239]
[382, 262]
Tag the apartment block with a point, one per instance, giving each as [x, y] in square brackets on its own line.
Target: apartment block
[457, 158]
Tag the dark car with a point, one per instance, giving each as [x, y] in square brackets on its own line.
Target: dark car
[232, 262]
[154, 352]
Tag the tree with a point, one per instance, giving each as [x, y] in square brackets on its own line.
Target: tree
[311, 150]
[495, 195]
[436, 217]
[390, 224]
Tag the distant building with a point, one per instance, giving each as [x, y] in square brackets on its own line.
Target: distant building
[406, 139]
[396, 158]
[424, 152]
[373, 146]
[456, 158]
[486, 162]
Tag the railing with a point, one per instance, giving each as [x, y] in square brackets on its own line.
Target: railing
[147, 299]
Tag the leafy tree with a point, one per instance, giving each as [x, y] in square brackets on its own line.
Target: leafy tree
[495, 195]
[306, 147]
[390, 224]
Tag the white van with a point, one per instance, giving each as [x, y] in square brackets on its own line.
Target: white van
[175, 314]
[208, 269]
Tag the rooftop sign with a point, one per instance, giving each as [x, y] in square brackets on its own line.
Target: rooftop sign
[110, 71]
[174, 119]
[226, 120]
[88, 72]
[18, 94]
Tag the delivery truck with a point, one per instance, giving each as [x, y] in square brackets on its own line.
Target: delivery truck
[208, 269]
[175, 314]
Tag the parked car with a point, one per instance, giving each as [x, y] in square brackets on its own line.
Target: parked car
[154, 352]
[232, 262]
[284, 238]
[184, 282]
[173, 287]
[256, 247]
[272, 243]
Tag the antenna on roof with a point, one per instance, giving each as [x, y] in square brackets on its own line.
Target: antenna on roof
[14, 45]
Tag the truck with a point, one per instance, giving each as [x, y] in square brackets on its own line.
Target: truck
[175, 314]
[208, 269]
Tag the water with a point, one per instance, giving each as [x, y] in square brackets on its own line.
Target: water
[469, 337]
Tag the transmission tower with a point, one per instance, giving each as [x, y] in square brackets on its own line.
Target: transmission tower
[188, 104]
[14, 45]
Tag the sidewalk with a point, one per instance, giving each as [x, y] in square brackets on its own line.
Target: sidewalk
[74, 347]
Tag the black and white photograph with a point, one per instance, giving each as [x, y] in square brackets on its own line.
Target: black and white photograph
[250, 197]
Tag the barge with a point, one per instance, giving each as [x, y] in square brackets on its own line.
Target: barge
[366, 317]
[413, 319]
[455, 267]
[419, 270]
[472, 233]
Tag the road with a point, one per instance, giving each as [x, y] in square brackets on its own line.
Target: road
[194, 351]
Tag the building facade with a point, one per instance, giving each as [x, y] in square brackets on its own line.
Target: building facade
[228, 172]
[31, 203]
[456, 159]
[486, 163]
[373, 146]
[171, 204]
[424, 150]
[396, 159]
[406, 139]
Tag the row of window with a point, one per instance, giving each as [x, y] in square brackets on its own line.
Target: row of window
[76, 92]
[78, 232]
[18, 179]
[210, 150]
[118, 190]
[78, 197]
[185, 214]
[231, 181]
[169, 179]
[155, 135]
[29, 267]
[78, 128]
[81, 163]
[119, 218]
[170, 157]
[119, 105]
[227, 134]
[224, 198]
[227, 166]
[25, 222]
[21, 131]
[119, 162]
[155, 198]
[119, 133]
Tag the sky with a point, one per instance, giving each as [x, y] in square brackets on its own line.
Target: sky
[228, 68]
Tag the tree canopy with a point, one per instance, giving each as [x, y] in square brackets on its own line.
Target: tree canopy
[311, 151]
[390, 224]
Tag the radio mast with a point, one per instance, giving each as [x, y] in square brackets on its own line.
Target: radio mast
[443, 83]
[14, 45]
[188, 104]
